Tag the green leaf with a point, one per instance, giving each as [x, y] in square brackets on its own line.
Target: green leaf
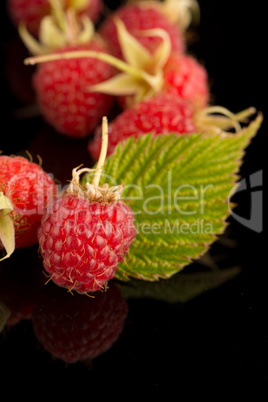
[179, 189]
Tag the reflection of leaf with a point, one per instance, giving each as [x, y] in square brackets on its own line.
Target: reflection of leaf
[156, 169]
[181, 288]
[4, 315]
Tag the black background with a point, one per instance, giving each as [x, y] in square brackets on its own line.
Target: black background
[218, 339]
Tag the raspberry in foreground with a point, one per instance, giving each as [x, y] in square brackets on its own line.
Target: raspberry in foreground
[86, 232]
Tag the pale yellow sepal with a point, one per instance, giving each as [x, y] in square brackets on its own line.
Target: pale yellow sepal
[57, 30]
[79, 5]
[87, 30]
[162, 53]
[35, 47]
[122, 84]
[7, 231]
[57, 10]
[142, 71]
[181, 12]
[51, 35]
[141, 74]
[134, 53]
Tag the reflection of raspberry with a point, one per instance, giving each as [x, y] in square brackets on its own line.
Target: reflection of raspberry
[28, 188]
[74, 327]
[82, 242]
[20, 288]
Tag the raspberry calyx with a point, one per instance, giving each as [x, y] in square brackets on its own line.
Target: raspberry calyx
[59, 29]
[92, 191]
[142, 72]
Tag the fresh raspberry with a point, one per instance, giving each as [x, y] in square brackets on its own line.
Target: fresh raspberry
[28, 188]
[87, 230]
[82, 242]
[161, 114]
[76, 328]
[31, 12]
[143, 75]
[184, 76]
[139, 18]
[63, 91]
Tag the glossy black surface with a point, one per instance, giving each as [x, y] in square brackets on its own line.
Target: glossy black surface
[217, 335]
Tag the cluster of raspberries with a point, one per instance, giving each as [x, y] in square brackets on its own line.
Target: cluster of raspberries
[131, 64]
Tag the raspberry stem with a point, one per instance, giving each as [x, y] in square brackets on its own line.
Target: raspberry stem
[120, 64]
[103, 152]
[58, 12]
[93, 191]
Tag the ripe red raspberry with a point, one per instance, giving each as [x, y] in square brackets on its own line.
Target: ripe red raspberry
[76, 328]
[140, 17]
[28, 189]
[184, 76]
[167, 114]
[63, 91]
[86, 232]
[31, 12]
[82, 242]
[161, 114]
[144, 75]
